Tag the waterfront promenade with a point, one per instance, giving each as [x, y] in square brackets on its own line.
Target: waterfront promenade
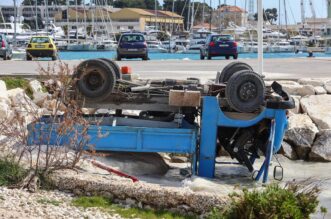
[291, 68]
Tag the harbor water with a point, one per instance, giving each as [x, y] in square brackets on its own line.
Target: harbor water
[178, 56]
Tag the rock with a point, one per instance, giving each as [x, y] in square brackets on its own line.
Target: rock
[319, 90]
[285, 82]
[288, 151]
[300, 90]
[321, 150]
[3, 92]
[178, 159]
[297, 108]
[20, 99]
[301, 134]
[327, 86]
[51, 105]
[311, 81]
[36, 86]
[318, 107]
[39, 98]
[136, 163]
[4, 111]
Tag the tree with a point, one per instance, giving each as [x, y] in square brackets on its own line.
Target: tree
[270, 14]
[144, 4]
[182, 6]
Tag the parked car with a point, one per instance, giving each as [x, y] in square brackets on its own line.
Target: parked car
[132, 45]
[41, 46]
[6, 51]
[219, 45]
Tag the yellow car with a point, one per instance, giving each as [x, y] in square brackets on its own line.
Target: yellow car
[41, 46]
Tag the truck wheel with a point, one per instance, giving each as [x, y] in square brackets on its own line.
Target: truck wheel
[230, 69]
[227, 57]
[118, 58]
[245, 91]
[235, 56]
[115, 66]
[95, 79]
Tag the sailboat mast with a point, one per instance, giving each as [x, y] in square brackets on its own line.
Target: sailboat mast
[188, 15]
[36, 9]
[76, 21]
[155, 12]
[47, 17]
[203, 11]
[15, 17]
[68, 21]
[192, 16]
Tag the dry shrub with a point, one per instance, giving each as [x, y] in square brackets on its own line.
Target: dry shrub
[34, 147]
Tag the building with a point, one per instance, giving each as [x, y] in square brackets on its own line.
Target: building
[226, 15]
[142, 19]
[30, 12]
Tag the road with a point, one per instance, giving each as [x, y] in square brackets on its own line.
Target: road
[292, 68]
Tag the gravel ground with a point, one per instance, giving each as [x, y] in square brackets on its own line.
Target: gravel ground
[16, 203]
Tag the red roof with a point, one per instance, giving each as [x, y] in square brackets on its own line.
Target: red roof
[229, 8]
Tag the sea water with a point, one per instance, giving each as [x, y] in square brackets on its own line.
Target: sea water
[179, 56]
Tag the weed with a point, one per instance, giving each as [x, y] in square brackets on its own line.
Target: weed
[47, 201]
[12, 82]
[10, 173]
[107, 205]
[294, 201]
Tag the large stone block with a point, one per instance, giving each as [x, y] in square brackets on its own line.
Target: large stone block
[299, 90]
[21, 100]
[35, 86]
[301, 134]
[327, 86]
[318, 107]
[3, 92]
[321, 150]
[288, 151]
[312, 81]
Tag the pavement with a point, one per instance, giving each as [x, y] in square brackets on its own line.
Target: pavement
[290, 68]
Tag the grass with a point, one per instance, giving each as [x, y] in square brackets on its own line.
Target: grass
[16, 82]
[47, 201]
[295, 201]
[107, 205]
[10, 173]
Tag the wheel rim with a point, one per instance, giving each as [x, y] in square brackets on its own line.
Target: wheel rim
[247, 91]
[93, 80]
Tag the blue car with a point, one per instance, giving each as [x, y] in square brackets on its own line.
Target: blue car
[219, 45]
[132, 45]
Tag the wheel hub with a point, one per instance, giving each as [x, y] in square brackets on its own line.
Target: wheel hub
[247, 91]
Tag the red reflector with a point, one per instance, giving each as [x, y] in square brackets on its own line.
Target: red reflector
[235, 44]
[3, 44]
[126, 70]
[211, 44]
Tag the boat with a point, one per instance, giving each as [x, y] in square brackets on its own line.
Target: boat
[282, 46]
[106, 45]
[82, 46]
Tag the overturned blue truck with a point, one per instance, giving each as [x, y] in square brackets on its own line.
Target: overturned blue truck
[236, 112]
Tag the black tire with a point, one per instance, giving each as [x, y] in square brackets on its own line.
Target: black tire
[232, 68]
[95, 79]
[245, 91]
[10, 57]
[145, 58]
[235, 56]
[209, 57]
[227, 57]
[202, 57]
[5, 56]
[28, 57]
[115, 66]
[54, 57]
[118, 58]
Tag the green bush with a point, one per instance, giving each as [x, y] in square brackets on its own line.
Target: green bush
[10, 173]
[12, 82]
[295, 201]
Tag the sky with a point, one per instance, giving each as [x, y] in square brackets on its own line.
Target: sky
[293, 6]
